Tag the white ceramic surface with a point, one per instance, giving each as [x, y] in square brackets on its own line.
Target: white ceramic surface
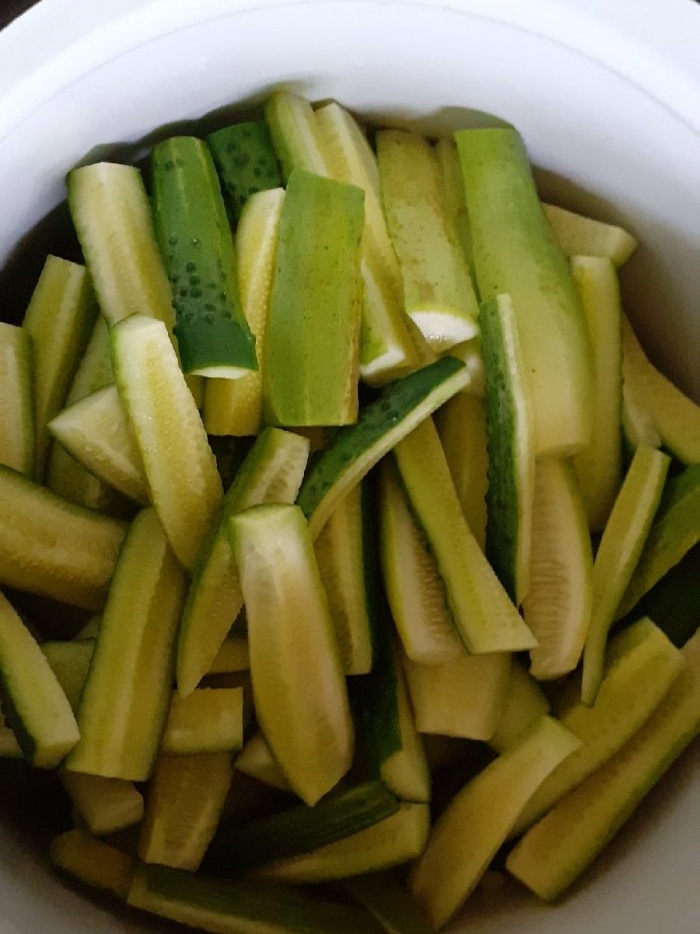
[608, 99]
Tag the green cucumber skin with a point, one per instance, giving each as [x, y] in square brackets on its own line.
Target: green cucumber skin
[315, 303]
[251, 906]
[246, 161]
[195, 240]
[380, 425]
[299, 829]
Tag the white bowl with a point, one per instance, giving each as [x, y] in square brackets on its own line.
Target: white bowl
[607, 97]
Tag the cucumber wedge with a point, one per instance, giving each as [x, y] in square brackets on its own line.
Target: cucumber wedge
[59, 320]
[179, 465]
[618, 553]
[226, 907]
[510, 432]
[33, 701]
[208, 720]
[453, 198]
[474, 825]
[383, 896]
[271, 472]
[234, 407]
[106, 805]
[640, 654]
[599, 466]
[515, 253]
[16, 399]
[304, 715]
[559, 604]
[112, 218]
[125, 699]
[255, 760]
[523, 704]
[246, 162]
[52, 547]
[553, 854]
[93, 862]
[675, 530]
[438, 292]
[485, 618]
[311, 352]
[184, 801]
[354, 450]
[70, 662]
[195, 240]
[9, 747]
[95, 430]
[579, 235]
[397, 839]
[297, 141]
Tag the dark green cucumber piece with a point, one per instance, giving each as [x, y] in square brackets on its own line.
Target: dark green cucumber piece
[196, 243]
[393, 906]
[355, 449]
[673, 602]
[299, 829]
[246, 161]
[226, 907]
[311, 351]
[515, 252]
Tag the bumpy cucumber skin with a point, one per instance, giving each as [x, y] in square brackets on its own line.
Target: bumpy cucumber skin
[195, 240]
[355, 449]
[246, 161]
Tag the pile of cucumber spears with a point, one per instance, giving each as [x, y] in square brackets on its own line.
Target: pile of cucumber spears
[375, 519]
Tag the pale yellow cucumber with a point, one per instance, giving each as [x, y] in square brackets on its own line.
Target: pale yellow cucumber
[579, 235]
[106, 805]
[256, 760]
[16, 399]
[208, 720]
[93, 862]
[524, 703]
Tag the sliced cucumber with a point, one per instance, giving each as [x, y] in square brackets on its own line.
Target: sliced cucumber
[383, 896]
[226, 907]
[461, 424]
[341, 555]
[179, 465]
[246, 162]
[406, 771]
[9, 747]
[70, 662]
[463, 697]
[510, 432]
[290, 118]
[674, 416]
[414, 588]
[112, 218]
[386, 342]
[485, 618]
[311, 352]
[232, 655]
[92, 861]
[59, 320]
[195, 240]
[675, 530]
[299, 829]
[453, 197]
[355, 449]
[558, 606]
[16, 399]
[272, 472]
[599, 466]
[618, 553]
[208, 720]
[184, 802]
[474, 825]
[516, 253]
[640, 654]
[33, 701]
[234, 407]
[106, 805]
[524, 703]
[553, 854]
[438, 292]
[579, 235]
[52, 547]
[306, 720]
[96, 432]
[125, 699]
[397, 839]
[255, 760]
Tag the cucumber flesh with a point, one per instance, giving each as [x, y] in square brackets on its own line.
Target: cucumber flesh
[195, 240]
[106, 805]
[255, 760]
[93, 862]
[306, 721]
[70, 662]
[640, 654]
[618, 553]
[209, 720]
[246, 162]
[292, 124]
[16, 401]
[33, 701]
[516, 253]
[355, 449]
[579, 235]
[553, 854]
[177, 460]
[486, 619]
[523, 704]
[272, 472]
[469, 832]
